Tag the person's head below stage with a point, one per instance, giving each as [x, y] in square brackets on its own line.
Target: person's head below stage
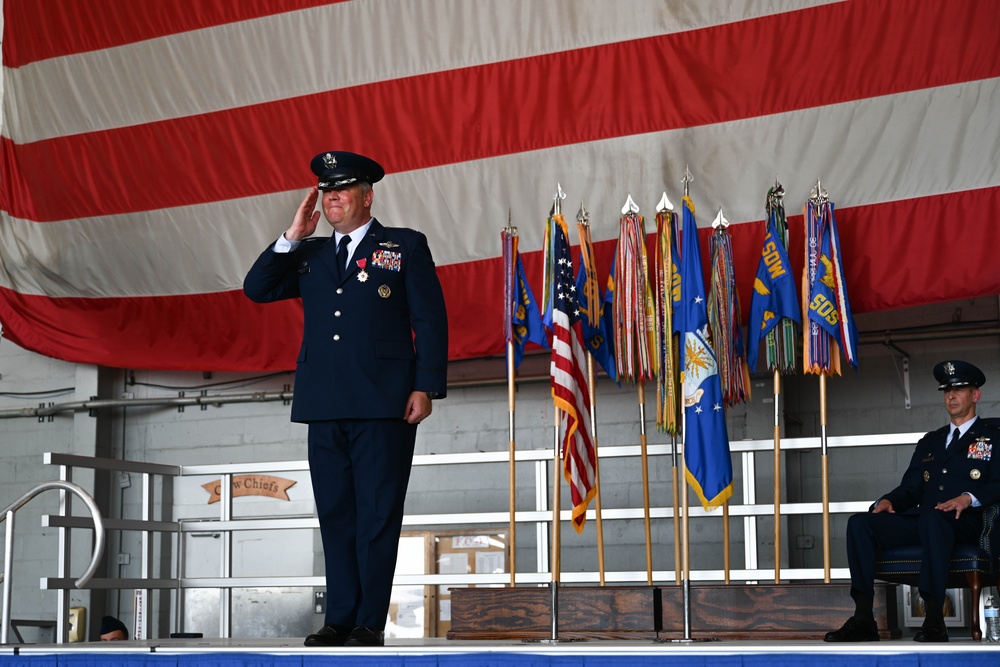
[345, 181]
[113, 630]
[960, 381]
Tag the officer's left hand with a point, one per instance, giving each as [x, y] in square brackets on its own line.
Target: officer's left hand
[418, 407]
[955, 505]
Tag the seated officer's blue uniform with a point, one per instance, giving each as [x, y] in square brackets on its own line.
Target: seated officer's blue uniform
[937, 472]
[373, 334]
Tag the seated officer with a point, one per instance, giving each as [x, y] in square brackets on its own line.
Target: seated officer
[951, 477]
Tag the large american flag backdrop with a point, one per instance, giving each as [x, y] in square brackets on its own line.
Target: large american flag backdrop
[150, 150]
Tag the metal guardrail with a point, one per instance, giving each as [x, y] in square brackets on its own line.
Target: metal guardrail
[8, 516]
[749, 510]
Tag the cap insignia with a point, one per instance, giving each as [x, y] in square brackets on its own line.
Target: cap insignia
[949, 368]
[330, 160]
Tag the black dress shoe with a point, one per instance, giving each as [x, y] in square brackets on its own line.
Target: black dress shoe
[854, 630]
[329, 635]
[362, 636]
[932, 631]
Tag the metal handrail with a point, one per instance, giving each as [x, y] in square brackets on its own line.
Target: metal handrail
[8, 516]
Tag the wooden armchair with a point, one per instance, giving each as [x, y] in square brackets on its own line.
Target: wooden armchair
[973, 566]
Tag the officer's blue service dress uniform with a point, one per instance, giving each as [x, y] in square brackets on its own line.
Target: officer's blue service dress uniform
[373, 333]
[939, 470]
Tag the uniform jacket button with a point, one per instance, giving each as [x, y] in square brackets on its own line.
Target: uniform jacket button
[336, 336]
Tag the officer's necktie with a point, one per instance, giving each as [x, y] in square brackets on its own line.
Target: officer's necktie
[342, 254]
[954, 438]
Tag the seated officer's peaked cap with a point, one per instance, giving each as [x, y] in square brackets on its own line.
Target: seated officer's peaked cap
[957, 373]
[340, 169]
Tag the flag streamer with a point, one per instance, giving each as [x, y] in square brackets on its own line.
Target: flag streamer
[725, 322]
[634, 309]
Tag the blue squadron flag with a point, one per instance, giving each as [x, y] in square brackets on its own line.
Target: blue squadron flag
[830, 322]
[595, 311]
[774, 295]
[522, 321]
[709, 467]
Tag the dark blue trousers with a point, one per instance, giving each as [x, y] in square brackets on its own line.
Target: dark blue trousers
[360, 470]
[935, 531]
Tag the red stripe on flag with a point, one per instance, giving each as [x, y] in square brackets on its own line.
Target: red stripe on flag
[222, 331]
[225, 331]
[716, 74]
[66, 27]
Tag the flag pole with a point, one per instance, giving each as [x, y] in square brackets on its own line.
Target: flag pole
[678, 567]
[512, 478]
[667, 388]
[645, 480]
[632, 343]
[724, 320]
[597, 470]
[510, 232]
[686, 538]
[556, 474]
[777, 479]
[826, 478]
[775, 202]
[583, 218]
[825, 358]
[775, 284]
[556, 502]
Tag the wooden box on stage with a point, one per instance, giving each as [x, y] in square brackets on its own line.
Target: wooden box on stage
[735, 611]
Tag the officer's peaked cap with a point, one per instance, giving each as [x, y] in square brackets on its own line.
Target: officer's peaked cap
[955, 373]
[341, 169]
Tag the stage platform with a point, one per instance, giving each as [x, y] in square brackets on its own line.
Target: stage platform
[961, 651]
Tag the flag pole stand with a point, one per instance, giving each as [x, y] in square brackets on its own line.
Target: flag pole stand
[512, 476]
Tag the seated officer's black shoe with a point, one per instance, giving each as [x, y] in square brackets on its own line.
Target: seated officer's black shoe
[329, 635]
[362, 636]
[854, 630]
[933, 630]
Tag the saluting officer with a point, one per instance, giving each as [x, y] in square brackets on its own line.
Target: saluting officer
[374, 353]
[951, 477]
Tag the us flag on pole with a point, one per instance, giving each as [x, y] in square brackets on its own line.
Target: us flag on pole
[569, 381]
